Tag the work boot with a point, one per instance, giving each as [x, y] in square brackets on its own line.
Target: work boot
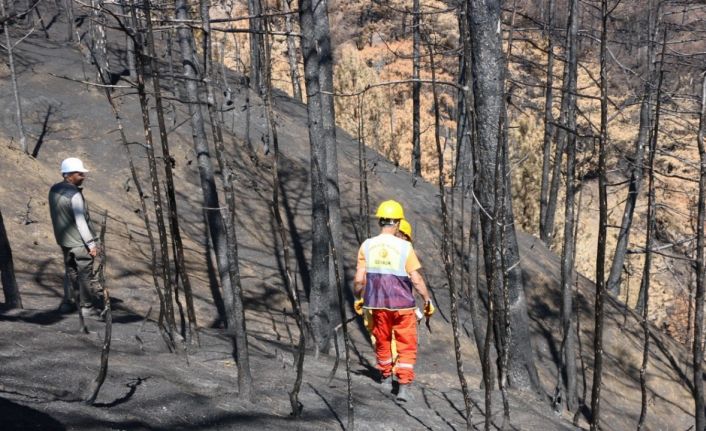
[404, 394]
[386, 384]
[66, 307]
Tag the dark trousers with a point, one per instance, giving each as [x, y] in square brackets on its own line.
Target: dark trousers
[79, 269]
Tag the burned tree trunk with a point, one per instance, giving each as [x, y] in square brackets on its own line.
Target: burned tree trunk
[616, 269]
[9, 47]
[7, 271]
[548, 120]
[416, 88]
[154, 181]
[320, 290]
[256, 44]
[698, 349]
[328, 123]
[179, 261]
[568, 345]
[236, 308]
[651, 226]
[292, 51]
[488, 83]
[602, 227]
[567, 118]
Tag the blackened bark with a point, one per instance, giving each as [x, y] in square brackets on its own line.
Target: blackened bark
[416, 87]
[7, 271]
[214, 221]
[698, 350]
[602, 226]
[99, 50]
[651, 225]
[9, 47]
[488, 66]
[328, 122]
[292, 52]
[320, 290]
[256, 44]
[154, 181]
[548, 119]
[363, 201]
[567, 117]
[568, 345]
[616, 269]
[447, 249]
[179, 261]
[237, 321]
[107, 313]
[290, 285]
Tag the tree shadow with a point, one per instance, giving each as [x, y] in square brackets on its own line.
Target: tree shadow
[18, 417]
[125, 398]
[43, 133]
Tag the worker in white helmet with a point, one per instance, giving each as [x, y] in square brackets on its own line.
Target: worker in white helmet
[71, 221]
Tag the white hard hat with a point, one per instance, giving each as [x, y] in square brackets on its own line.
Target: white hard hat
[72, 164]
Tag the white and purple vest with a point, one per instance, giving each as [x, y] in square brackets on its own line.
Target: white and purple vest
[388, 285]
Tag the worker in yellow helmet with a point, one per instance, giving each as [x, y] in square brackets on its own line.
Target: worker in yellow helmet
[387, 273]
[405, 233]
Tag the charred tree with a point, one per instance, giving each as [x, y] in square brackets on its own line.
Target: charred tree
[320, 289]
[698, 349]
[9, 47]
[566, 385]
[256, 44]
[328, 123]
[616, 269]
[235, 296]
[292, 51]
[488, 86]
[567, 118]
[447, 249]
[7, 271]
[179, 260]
[165, 266]
[602, 227]
[644, 297]
[416, 88]
[548, 120]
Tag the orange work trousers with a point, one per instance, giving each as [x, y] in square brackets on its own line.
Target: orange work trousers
[402, 324]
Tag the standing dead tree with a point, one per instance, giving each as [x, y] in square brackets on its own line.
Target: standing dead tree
[236, 309]
[290, 285]
[567, 118]
[447, 252]
[651, 228]
[9, 46]
[548, 120]
[7, 271]
[165, 265]
[319, 314]
[616, 269]
[698, 349]
[416, 87]
[107, 316]
[602, 227]
[488, 83]
[178, 247]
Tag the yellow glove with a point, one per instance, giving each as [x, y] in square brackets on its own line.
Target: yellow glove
[429, 309]
[358, 306]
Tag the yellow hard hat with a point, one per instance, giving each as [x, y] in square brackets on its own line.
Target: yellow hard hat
[406, 228]
[390, 210]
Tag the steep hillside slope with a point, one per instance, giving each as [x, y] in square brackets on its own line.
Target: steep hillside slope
[148, 388]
